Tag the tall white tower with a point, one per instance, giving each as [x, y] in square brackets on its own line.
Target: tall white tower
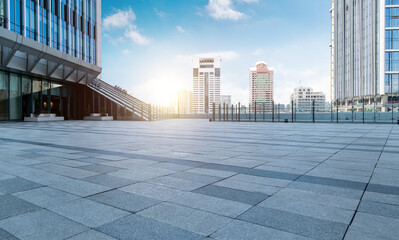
[261, 86]
[206, 83]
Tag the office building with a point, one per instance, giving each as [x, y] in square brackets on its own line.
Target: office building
[261, 90]
[303, 99]
[50, 49]
[206, 83]
[365, 52]
[226, 99]
[185, 102]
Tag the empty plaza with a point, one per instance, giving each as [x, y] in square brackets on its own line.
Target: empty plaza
[194, 179]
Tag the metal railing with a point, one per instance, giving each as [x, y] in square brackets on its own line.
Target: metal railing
[260, 112]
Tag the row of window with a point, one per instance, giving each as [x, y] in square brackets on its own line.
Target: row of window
[391, 83]
[72, 31]
[392, 2]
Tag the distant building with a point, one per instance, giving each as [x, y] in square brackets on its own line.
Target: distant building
[185, 102]
[261, 86]
[303, 98]
[225, 99]
[206, 83]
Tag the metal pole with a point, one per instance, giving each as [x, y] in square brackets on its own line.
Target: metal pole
[273, 111]
[239, 112]
[264, 111]
[232, 112]
[363, 108]
[213, 111]
[249, 111]
[313, 112]
[352, 109]
[292, 111]
[255, 111]
[224, 112]
[220, 112]
[227, 112]
[375, 109]
[337, 109]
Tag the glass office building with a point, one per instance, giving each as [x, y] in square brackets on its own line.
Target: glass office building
[50, 50]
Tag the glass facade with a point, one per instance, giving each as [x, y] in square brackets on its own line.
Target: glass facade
[66, 25]
[391, 81]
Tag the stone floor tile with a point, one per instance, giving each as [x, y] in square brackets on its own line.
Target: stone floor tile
[99, 168]
[91, 235]
[135, 227]
[210, 172]
[45, 197]
[152, 191]
[12, 206]
[109, 181]
[41, 225]
[380, 209]
[250, 187]
[13, 185]
[177, 183]
[186, 218]
[88, 212]
[377, 226]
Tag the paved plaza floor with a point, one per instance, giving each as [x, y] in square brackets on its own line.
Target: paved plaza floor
[194, 179]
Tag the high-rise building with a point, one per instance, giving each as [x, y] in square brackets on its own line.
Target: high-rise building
[365, 46]
[226, 99]
[49, 50]
[303, 99]
[261, 90]
[206, 83]
[185, 102]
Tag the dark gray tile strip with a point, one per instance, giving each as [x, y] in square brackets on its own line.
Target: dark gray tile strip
[332, 182]
[381, 209]
[232, 194]
[294, 223]
[377, 188]
[4, 235]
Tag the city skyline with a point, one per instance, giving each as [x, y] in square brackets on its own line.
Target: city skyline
[153, 34]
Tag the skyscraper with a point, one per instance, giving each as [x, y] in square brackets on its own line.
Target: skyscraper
[49, 50]
[303, 98]
[365, 54]
[206, 83]
[261, 88]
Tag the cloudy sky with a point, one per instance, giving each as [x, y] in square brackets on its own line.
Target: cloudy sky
[148, 45]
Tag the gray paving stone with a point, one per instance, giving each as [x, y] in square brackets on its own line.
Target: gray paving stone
[261, 180]
[91, 235]
[210, 172]
[78, 187]
[12, 206]
[232, 194]
[308, 209]
[124, 200]
[152, 191]
[6, 235]
[211, 204]
[172, 166]
[41, 225]
[135, 227]
[109, 181]
[238, 230]
[45, 197]
[4, 176]
[333, 182]
[327, 190]
[177, 183]
[186, 218]
[381, 209]
[195, 177]
[377, 226]
[13, 185]
[73, 163]
[381, 197]
[88, 212]
[250, 187]
[294, 223]
[99, 168]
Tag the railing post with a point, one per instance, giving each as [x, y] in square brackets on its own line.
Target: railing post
[353, 110]
[220, 112]
[249, 111]
[292, 111]
[336, 103]
[149, 112]
[264, 111]
[239, 112]
[213, 112]
[227, 112]
[232, 112]
[363, 108]
[313, 111]
[273, 111]
[224, 112]
[255, 111]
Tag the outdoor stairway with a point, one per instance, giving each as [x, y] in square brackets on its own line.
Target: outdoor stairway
[138, 108]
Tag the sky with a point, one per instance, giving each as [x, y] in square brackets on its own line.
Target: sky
[148, 45]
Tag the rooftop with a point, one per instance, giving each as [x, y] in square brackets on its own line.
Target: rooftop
[192, 179]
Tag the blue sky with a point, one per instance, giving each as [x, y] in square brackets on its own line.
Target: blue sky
[147, 45]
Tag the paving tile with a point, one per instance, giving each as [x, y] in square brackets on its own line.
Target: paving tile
[294, 223]
[246, 186]
[333, 182]
[308, 209]
[172, 166]
[327, 190]
[377, 226]
[41, 225]
[109, 181]
[124, 200]
[261, 180]
[88, 212]
[378, 188]
[73, 163]
[381, 198]
[6, 235]
[186, 218]
[13, 185]
[210, 172]
[232, 194]
[78, 187]
[380, 209]
[177, 183]
[12, 206]
[99, 168]
[4, 176]
[195, 177]
[45, 197]
[135, 227]
[211, 204]
[91, 235]
[237, 230]
[152, 191]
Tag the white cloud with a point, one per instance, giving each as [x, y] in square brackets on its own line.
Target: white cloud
[180, 29]
[225, 55]
[223, 10]
[125, 51]
[132, 34]
[120, 19]
[248, 1]
[159, 13]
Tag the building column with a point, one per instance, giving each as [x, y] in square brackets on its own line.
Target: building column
[49, 23]
[8, 14]
[23, 25]
[37, 27]
[59, 25]
[98, 34]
